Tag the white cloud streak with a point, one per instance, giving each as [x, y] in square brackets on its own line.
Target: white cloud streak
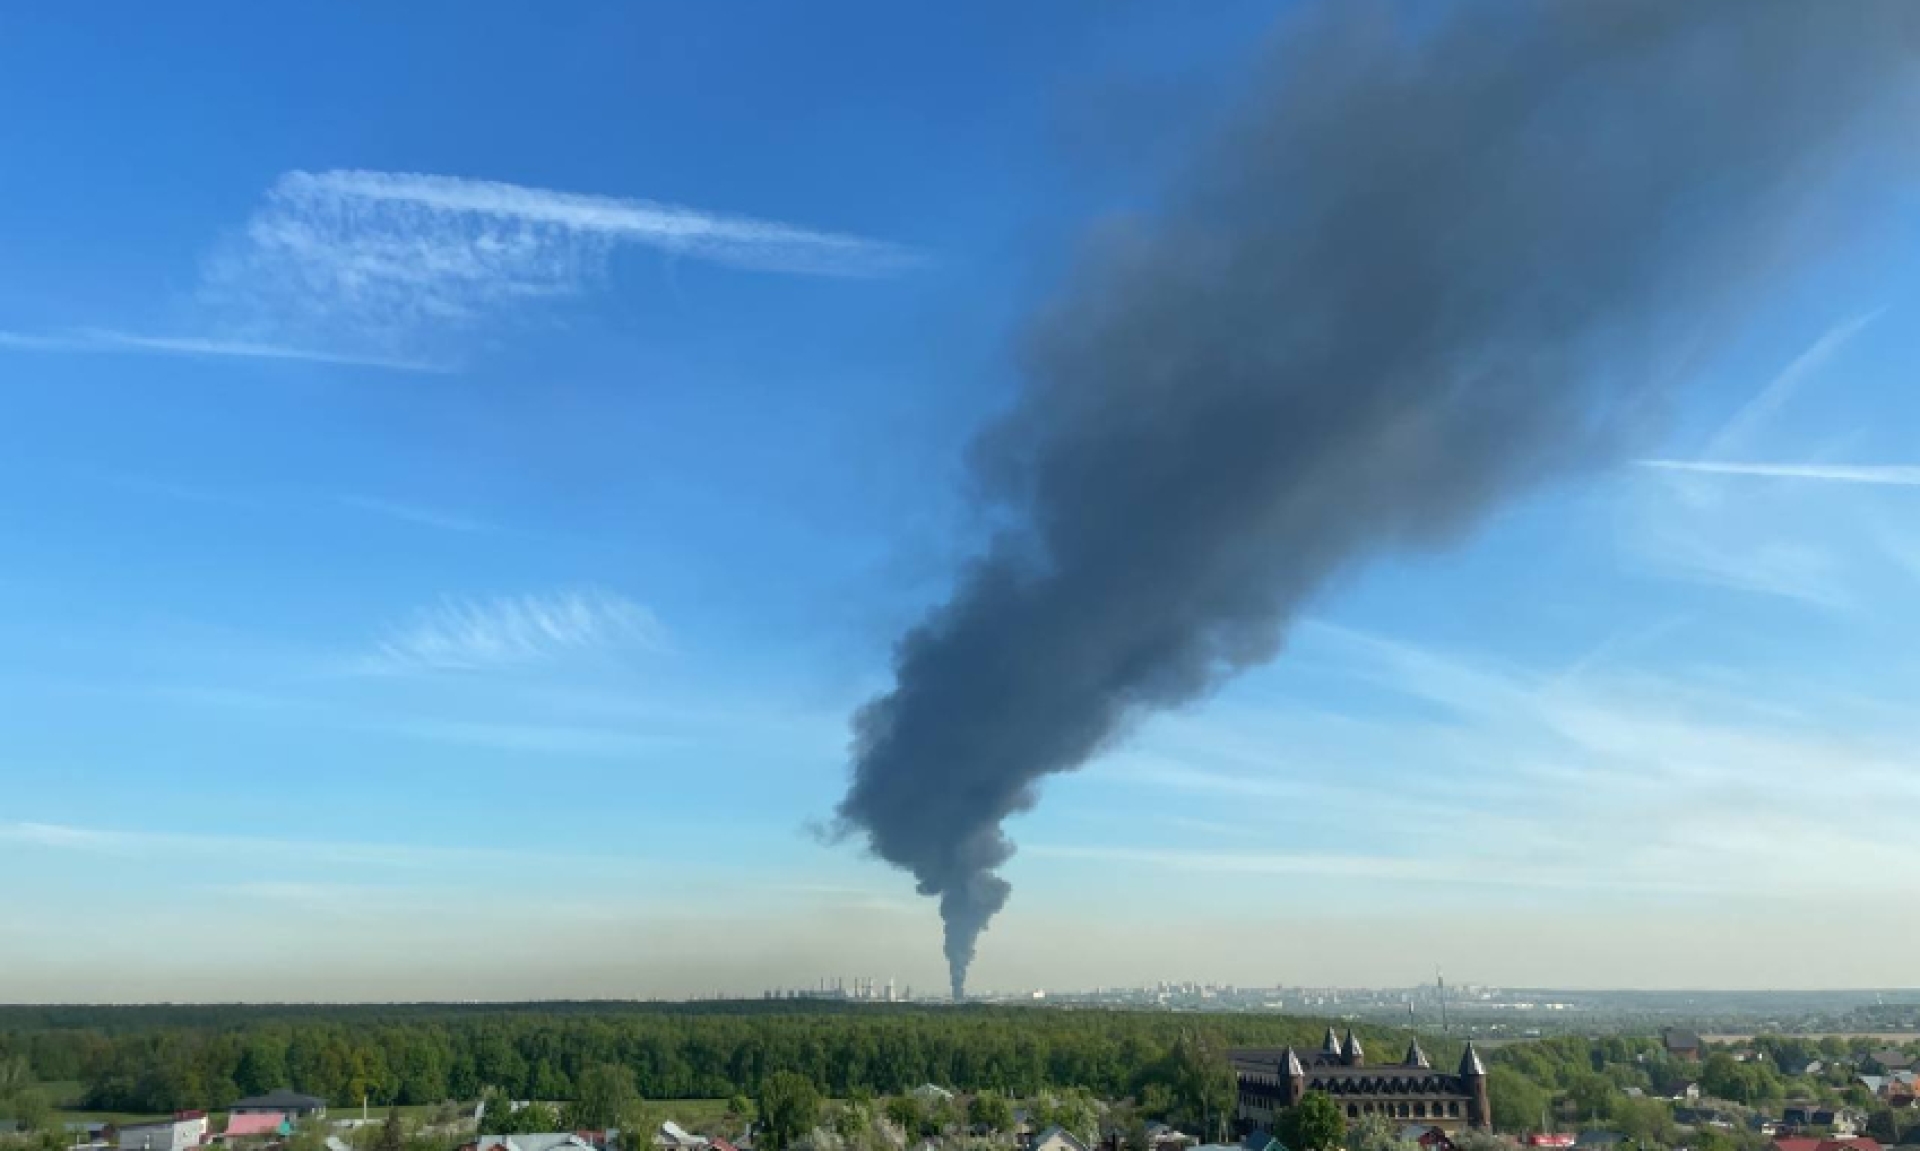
[103, 341]
[417, 514]
[517, 631]
[1756, 411]
[401, 260]
[384, 269]
[1891, 475]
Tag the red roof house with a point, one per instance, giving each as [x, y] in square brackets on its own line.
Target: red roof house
[262, 1123]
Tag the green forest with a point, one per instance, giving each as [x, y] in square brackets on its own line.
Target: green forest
[151, 1060]
[161, 1059]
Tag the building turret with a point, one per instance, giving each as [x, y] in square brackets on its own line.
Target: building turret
[1351, 1054]
[1473, 1080]
[1330, 1047]
[1296, 1075]
[1415, 1056]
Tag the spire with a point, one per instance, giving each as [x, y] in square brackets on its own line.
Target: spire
[1351, 1054]
[1415, 1056]
[1470, 1064]
[1291, 1065]
[1332, 1044]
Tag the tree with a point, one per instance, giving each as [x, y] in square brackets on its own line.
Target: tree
[1314, 1124]
[789, 1108]
[943, 1117]
[537, 1117]
[29, 1108]
[1648, 1122]
[990, 1110]
[1203, 1083]
[904, 1112]
[741, 1108]
[1069, 1110]
[263, 1067]
[1592, 1096]
[1518, 1102]
[851, 1120]
[1373, 1132]
[15, 1076]
[604, 1094]
[393, 1137]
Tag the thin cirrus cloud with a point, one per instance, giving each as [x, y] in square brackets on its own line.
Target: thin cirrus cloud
[105, 341]
[403, 260]
[1889, 475]
[508, 632]
[387, 269]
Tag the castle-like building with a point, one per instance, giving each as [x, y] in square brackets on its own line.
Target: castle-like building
[1410, 1091]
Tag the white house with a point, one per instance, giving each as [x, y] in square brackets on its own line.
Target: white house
[673, 1137]
[168, 1135]
[1058, 1139]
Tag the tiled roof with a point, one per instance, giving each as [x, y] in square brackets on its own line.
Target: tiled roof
[257, 1123]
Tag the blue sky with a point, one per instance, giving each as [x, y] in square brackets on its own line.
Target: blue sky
[465, 467]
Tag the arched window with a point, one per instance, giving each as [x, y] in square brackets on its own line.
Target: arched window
[1453, 1111]
[1352, 1111]
[1419, 1110]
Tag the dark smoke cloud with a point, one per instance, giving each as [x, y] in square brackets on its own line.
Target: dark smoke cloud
[1429, 264]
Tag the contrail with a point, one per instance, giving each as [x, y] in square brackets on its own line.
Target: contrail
[1420, 270]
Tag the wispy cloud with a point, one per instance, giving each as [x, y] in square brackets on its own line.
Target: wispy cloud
[1460, 870]
[105, 841]
[385, 269]
[542, 738]
[400, 259]
[1619, 780]
[417, 514]
[1735, 433]
[1683, 522]
[106, 341]
[517, 631]
[1893, 475]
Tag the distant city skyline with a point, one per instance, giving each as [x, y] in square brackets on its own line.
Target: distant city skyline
[464, 471]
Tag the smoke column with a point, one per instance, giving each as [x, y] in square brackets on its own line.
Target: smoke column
[1432, 260]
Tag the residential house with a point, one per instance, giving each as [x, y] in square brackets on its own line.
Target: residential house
[257, 1125]
[1428, 1137]
[1057, 1139]
[1680, 1044]
[1843, 1120]
[188, 1129]
[929, 1094]
[1891, 1059]
[673, 1137]
[1604, 1140]
[1162, 1137]
[1686, 1093]
[541, 1141]
[1860, 1143]
[1546, 1139]
[291, 1104]
[1261, 1141]
[1703, 1117]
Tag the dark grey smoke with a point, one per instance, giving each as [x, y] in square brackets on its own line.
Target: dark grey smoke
[1434, 260]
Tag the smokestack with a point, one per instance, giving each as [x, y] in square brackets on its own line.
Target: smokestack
[1425, 267]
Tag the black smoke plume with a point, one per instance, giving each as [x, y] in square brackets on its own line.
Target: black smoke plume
[1435, 258]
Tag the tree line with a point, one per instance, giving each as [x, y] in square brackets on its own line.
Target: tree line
[163, 1059]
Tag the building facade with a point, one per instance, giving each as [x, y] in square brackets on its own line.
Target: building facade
[188, 1129]
[1273, 1079]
